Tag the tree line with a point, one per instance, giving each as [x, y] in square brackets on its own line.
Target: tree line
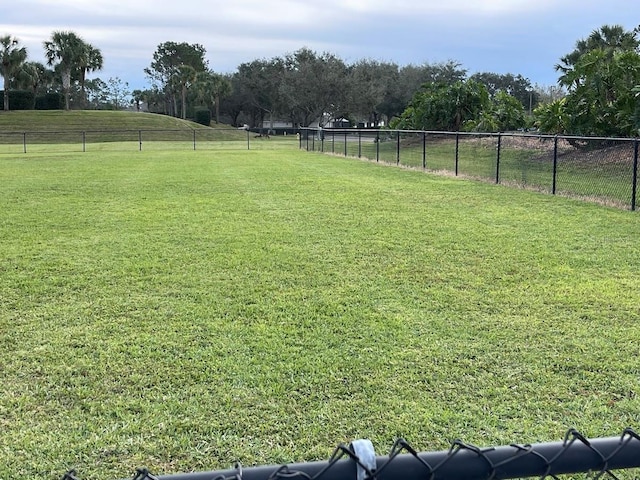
[598, 91]
[60, 83]
[305, 86]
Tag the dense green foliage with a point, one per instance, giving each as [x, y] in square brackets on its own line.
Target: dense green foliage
[203, 117]
[50, 101]
[601, 76]
[464, 105]
[20, 99]
[182, 311]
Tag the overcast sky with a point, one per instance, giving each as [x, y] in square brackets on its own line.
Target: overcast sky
[524, 37]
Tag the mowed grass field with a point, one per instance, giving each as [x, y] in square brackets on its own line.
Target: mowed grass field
[184, 310]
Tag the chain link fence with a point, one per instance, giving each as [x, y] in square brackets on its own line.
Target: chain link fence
[576, 454]
[597, 169]
[139, 140]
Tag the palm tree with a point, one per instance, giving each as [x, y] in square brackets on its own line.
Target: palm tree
[608, 38]
[32, 76]
[12, 56]
[67, 50]
[183, 80]
[90, 61]
[210, 88]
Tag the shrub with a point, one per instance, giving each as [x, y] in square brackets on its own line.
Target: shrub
[50, 101]
[203, 116]
[19, 99]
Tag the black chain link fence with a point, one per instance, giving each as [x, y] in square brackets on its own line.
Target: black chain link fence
[603, 170]
[357, 461]
[132, 140]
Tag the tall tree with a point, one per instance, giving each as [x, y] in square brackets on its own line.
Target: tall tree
[608, 38]
[211, 88]
[12, 56]
[90, 60]
[164, 70]
[411, 78]
[33, 76]
[438, 106]
[313, 84]
[515, 85]
[260, 82]
[66, 50]
[369, 83]
[600, 76]
[184, 79]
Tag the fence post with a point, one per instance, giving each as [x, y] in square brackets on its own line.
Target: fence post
[377, 146]
[498, 158]
[634, 188]
[359, 143]
[84, 141]
[248, 140]
[194, 139]
[424, 150]
[457, 151]
[24, 142]
[345, 143]
[555, 165]
[140, 140]
[398, 147]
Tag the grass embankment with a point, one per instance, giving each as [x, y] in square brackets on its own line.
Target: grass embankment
[182, 311]
[73, 130]
[92, 120]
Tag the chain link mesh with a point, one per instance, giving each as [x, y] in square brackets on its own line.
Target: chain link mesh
[602, 170]
[576, 454]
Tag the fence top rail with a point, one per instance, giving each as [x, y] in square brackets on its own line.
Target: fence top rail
[123, 130]
[476, 134]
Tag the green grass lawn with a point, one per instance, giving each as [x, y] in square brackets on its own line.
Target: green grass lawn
[182, 310]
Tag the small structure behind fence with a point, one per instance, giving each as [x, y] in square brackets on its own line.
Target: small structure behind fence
[593, 168]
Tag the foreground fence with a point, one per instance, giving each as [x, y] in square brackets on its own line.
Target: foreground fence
[593, 168]
[358, 461]
[130, 140]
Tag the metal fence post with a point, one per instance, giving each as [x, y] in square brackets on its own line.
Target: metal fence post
[498, 158]
[140, 140]
[555, 165]
[345, 143]
[194, 139]
[84, 141]
[634, 187]
[24, 142]
[248, 140]
[377, 146]
[359, 143]
[424, 150]
[398, 147]
[457, 151]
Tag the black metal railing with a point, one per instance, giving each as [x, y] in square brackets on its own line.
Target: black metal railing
[138, 139]
[357, 461]
[594, 168]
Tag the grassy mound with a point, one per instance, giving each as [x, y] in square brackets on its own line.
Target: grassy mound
[90, 120]
[92, 126]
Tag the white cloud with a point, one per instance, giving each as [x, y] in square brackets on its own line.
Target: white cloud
[489, 35]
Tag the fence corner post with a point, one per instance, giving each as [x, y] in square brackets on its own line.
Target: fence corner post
[554, 182]
[634, 187]
[498, 157]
